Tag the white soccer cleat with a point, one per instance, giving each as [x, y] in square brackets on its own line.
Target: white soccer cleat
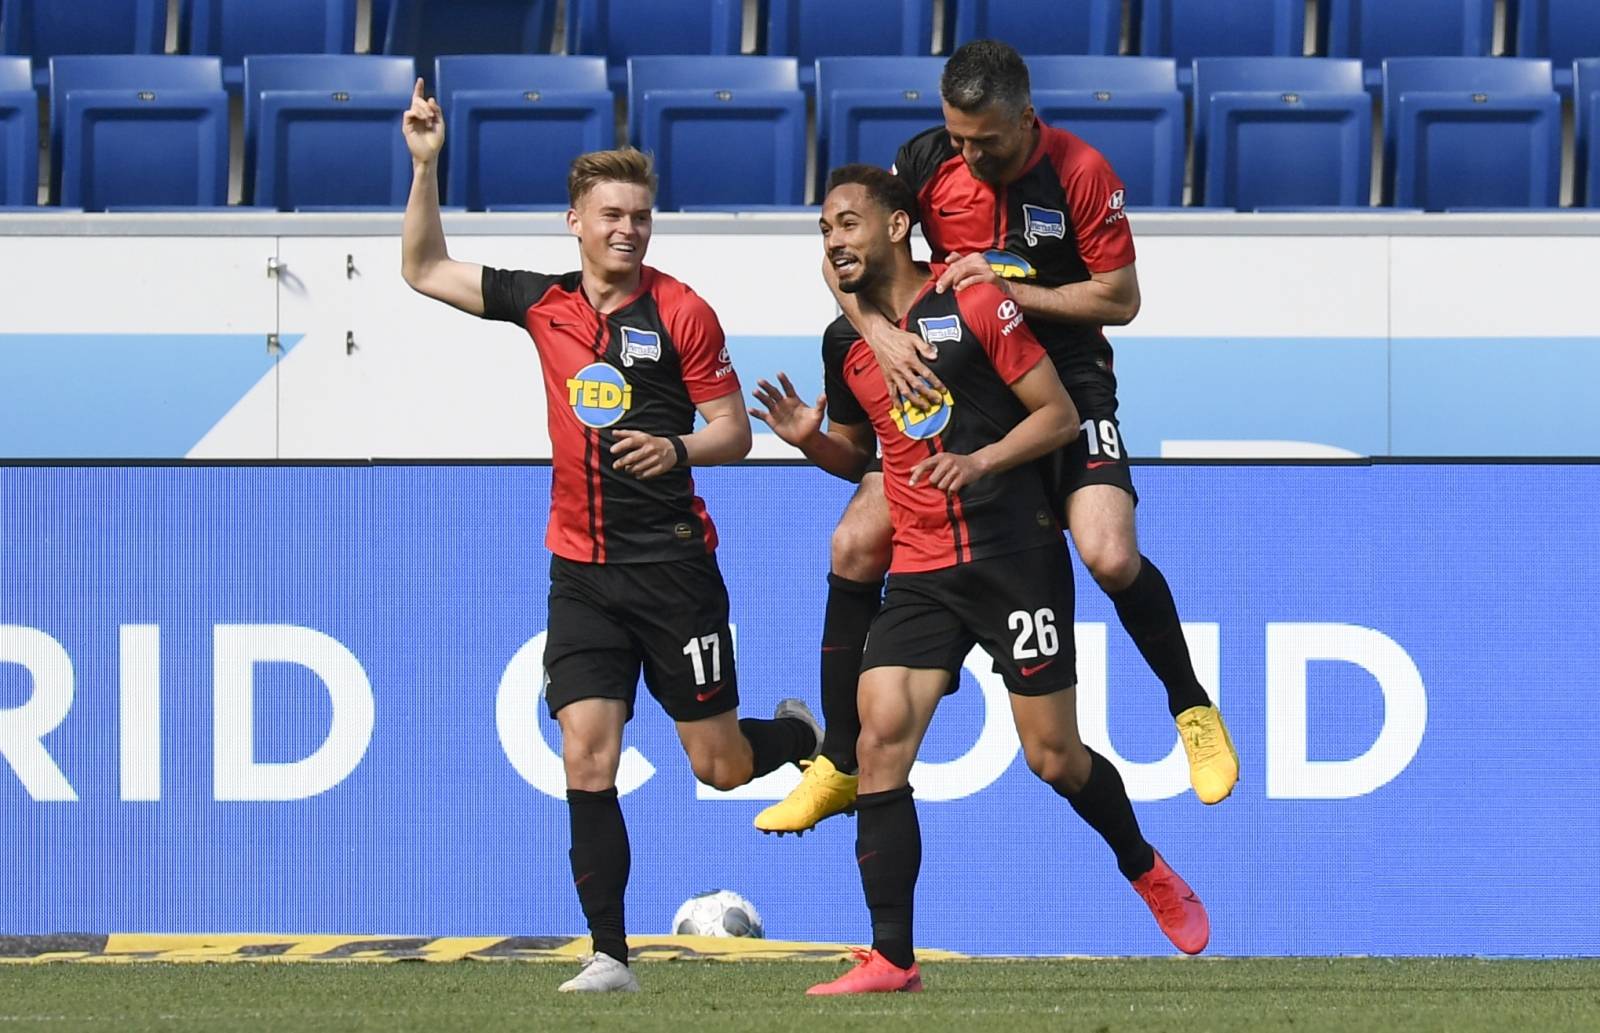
[601, 974]
[797, 708]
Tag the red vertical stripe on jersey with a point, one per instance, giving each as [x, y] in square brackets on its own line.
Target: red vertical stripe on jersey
[708, 530]
[597, 512]
[959, 532]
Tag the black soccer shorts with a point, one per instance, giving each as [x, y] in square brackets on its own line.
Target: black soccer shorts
[1018, 607]
[1096, 456]
[609, 619]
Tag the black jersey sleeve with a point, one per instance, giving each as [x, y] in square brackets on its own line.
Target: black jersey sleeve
[920, 157]
[843, 406]
[508, 293]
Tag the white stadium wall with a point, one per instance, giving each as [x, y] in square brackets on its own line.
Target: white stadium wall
[1263, 336]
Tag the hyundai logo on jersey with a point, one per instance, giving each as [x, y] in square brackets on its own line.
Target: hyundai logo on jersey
[599, 395]
[1042, 222]
[920, 425]
[639, 344]
[940, 328]
[1008, 266]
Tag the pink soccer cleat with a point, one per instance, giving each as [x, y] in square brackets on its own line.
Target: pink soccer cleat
[875, 974]
[1178, 911]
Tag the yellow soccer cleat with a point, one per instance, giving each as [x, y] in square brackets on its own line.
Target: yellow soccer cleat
[823, 791]
[1213, 762]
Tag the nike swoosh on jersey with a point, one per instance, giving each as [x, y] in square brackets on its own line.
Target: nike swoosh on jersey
[702, 697]
[1097, 464]
[1029, 672]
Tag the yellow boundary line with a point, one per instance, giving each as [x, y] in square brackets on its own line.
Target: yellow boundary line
[126, 948]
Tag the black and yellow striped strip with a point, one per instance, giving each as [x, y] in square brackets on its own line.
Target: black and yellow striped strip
[127, 948]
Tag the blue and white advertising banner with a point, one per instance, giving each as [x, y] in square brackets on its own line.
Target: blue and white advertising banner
[306, 699]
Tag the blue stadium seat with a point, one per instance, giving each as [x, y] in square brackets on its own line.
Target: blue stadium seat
[324, 130]
[42, 29]
[1040, 26]
[1187, 29]
[19, 133]
[868, 106]
[724, 130]
[379, 27]
[812, 29]
[1127, 108]
[1281, 132]
[1586, 108]
[1377, 29]
[138, 130]
[1562, 30]
[517, 121]
[621, 29]
[427, 29]
[1471, 132]
[231, 29]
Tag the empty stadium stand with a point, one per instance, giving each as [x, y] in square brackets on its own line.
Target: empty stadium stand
[138, 131]
[724, 130]
[1281, 132]
[515, 123]
[19, 134]
[1471, 132]
[324, 130]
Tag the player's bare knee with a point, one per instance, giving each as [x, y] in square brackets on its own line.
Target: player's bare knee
[589, 769]
[719, 772]
[1064, 769]
[860, 549]
[1112, 561]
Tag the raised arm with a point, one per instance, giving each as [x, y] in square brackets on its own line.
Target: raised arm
[424, 262]
[843, 450]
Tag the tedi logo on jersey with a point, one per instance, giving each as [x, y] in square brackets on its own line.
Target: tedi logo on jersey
[599, 395]
[1040, 222]
[1010, 267]
[639, 344]
[922, 424]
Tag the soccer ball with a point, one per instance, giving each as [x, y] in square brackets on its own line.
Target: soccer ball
[717, 913]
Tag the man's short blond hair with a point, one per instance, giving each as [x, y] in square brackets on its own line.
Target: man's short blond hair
[623, 165]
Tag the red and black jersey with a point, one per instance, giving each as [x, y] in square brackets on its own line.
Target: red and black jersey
[984, 347]
[642, 367]
[1060, 221]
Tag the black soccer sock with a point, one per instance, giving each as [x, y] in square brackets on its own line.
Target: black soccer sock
[851, 607]
[600, 862]
[889, 853]
[777, 741]
[1150, 616]
[1103, 803]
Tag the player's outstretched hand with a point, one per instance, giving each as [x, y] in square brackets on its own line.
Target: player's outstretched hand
[643, 455]
[900, 356]
[968, 271]
[790, 418]
[423, 126]
[948, 471]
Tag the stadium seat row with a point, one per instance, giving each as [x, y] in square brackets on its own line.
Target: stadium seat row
[323, 130]
[1369, 30]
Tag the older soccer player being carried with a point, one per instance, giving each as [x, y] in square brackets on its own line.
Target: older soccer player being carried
[629, 356]
[1018, 206]
[978, 558]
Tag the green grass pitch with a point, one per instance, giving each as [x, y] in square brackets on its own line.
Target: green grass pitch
[1097, 996]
